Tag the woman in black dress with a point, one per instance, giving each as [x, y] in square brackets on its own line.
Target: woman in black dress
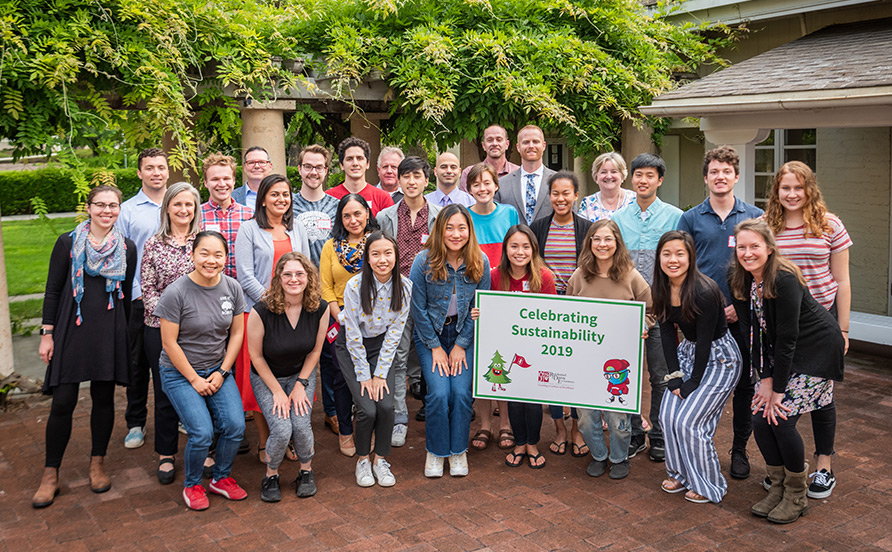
[84, 333]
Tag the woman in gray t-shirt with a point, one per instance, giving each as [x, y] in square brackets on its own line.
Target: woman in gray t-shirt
[201, 332]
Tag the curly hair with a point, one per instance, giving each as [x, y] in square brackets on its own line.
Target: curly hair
[274, 297]
[814, 212]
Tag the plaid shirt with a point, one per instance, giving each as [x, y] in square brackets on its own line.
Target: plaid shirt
[227, 222]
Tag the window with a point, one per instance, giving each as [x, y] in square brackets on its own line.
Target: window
[783, 145]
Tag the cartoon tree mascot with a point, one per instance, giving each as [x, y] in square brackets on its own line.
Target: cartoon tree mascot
[497, 375]
[616, 371]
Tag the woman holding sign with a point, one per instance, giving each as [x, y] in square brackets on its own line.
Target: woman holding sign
[445, 277]
[606, 271]
[522, 269]
[704, 369]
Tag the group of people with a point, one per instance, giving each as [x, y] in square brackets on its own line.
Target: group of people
[265, 284]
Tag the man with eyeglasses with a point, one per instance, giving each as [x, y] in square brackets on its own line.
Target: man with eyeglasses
[257, 165]
[139, 220]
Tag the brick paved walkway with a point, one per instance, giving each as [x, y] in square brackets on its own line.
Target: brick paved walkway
[494, 508]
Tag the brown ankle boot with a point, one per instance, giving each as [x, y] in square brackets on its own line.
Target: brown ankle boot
[775, 494]
[794, 503]
[49, 488]
[99, 480]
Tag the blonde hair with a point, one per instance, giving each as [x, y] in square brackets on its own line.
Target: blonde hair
[618, 161]
[217, 159]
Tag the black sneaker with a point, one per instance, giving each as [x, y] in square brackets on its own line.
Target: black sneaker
[269, 489]
[619, 471]
[636, 445]
[305, 484]
[244, 447]
[740, 464]
[657, 451]
[822, 485]
[596, 468]
[419, 417]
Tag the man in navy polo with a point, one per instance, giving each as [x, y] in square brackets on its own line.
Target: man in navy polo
[712, 225]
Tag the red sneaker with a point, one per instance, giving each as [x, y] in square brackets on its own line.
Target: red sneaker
[228, 488]
[196, 497]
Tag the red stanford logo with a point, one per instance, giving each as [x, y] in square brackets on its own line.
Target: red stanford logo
[543, 376]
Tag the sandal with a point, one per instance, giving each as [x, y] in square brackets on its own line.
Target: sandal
[691, 496]
[290, 453]
[535, 458]
[672, 486]
[558, 448]
[483, 436]
[578, 451]
[166, 477]
[516, 459]
[506, 439]
[261, 455]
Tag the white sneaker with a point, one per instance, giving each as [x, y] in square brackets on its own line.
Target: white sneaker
[381, 469]
[364, 477]
[458, 465]
[399, 435]
[433, 466]
[135, 438]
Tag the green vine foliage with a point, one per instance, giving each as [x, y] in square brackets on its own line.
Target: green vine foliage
[72, 70]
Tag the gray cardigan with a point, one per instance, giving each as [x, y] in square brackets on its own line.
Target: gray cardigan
[254, 252]
[387, 218]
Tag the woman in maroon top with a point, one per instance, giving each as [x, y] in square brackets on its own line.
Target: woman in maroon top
[523, 270]
[166, 257]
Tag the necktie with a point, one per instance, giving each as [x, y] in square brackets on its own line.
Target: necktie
[530, 198]
[447, 201]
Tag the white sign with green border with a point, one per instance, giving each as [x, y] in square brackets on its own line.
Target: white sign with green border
[551, 349]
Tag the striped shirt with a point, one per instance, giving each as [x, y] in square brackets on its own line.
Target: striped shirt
[560, 254]
[227, 222]
[812, 256]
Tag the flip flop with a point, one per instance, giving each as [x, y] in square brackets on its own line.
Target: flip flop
[578, 452]
[290, 453]
[535, 458]
[483, 435]
[558, 448]
[517, 458]
[505, 435]
[691, 496]
[672, 486]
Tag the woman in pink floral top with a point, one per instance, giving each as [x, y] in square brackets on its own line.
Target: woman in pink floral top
[166, 257]
[609, 171]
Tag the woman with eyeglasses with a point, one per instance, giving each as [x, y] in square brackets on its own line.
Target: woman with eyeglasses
[84, 334]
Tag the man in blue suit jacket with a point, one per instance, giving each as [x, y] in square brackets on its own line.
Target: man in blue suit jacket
[527, 187]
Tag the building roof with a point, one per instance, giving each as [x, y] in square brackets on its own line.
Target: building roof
[854, 55]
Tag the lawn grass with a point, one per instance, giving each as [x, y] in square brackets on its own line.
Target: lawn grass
[27, 245]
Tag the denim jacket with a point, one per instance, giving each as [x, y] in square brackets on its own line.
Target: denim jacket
[430, 300]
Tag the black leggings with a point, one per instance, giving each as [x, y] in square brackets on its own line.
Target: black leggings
[58, 427]
[823, 424]
[781, 444]
[526, 422]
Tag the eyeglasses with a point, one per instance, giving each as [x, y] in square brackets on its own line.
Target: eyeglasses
[259, 163]
[313, 168]
[293, 275]
[103, 206]
[605, 241]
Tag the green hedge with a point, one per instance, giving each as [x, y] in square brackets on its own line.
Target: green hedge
[56, 188]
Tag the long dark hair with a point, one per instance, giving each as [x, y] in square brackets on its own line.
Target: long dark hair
[368, 291]
[535, 266]
[338, 232]
[436, 246]
[260, 211]
[695, 282]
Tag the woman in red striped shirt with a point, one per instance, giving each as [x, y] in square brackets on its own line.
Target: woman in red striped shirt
[817, 242]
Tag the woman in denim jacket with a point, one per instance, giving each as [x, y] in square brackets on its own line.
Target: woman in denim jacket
[445, 276]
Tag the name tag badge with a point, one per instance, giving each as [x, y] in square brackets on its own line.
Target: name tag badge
[323, 224]
[212, 227]
[333, 332]
[424, 238]
[732, 242]
[526, 285]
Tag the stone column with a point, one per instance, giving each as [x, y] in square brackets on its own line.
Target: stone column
[367, 126]
[636, 140]
[7, 361]
[263, 125]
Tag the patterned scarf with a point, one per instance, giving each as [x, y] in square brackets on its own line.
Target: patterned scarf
[350, 257]
[105, 260]
[758, 337]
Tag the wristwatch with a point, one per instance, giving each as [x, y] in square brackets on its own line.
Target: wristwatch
[224, 373]
[46, 331]
[304, 382]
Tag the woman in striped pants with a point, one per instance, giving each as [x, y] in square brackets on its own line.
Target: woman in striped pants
[704, 368]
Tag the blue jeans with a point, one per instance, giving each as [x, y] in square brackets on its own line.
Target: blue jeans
[196, 413]
[657, 369]
[592, 432]
[448, 399]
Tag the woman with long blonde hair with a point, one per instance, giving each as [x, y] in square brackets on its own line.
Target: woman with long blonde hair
[817, 242]
[445, 277]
